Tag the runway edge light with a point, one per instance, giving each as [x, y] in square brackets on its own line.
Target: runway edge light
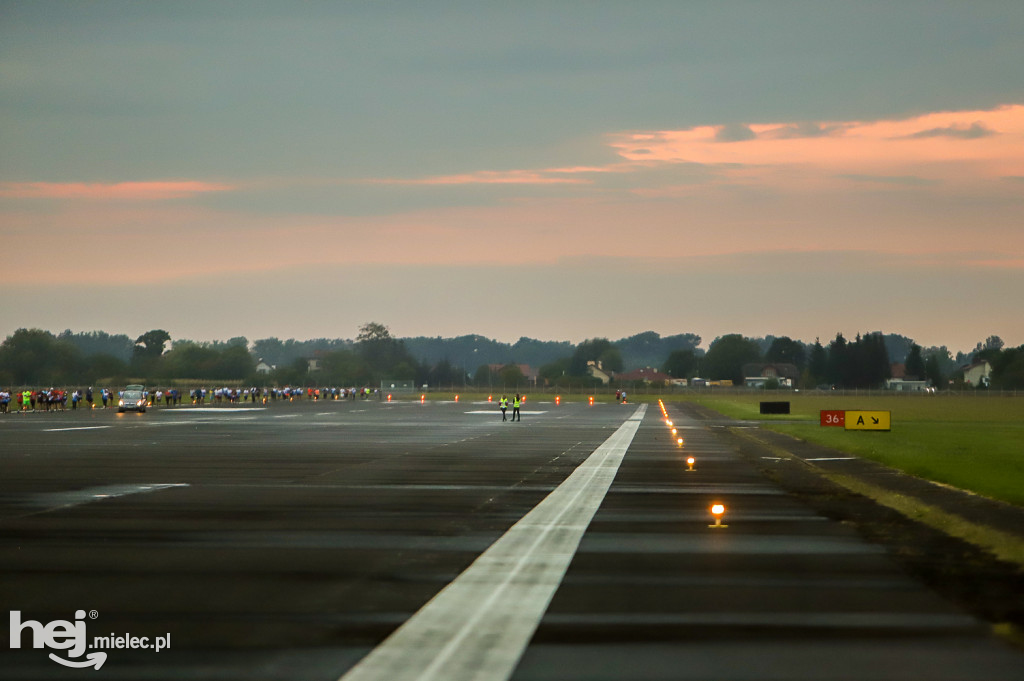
[718, 510]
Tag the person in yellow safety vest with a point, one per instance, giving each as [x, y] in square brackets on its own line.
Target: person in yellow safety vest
[504, 405]
[515, 408]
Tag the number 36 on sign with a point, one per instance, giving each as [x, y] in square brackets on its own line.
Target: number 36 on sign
[834, 417]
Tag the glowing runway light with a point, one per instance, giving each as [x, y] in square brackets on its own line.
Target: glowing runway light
[456, 398]
[558, 400]
[718, 510]
[423, 398]
[689, 462]
[679, 442]
[591, 400]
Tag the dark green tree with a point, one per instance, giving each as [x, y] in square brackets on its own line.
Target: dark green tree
[915, 363]
[483, 377]
[382, 354]
[817, 364]
[785, 350]
[555, 373]
[727, 355]
[933, 371]
[681, 364]
[591, 350]
[36, 357]
[512, 376]
[1008, 369]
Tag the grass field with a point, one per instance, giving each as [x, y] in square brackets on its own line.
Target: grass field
[973, 443]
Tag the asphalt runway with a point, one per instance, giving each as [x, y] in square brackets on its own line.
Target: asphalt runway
[367, 540]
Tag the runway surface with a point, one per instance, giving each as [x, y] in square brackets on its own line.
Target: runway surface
[367, 540]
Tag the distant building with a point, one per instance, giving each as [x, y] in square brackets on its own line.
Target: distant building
[647, 375]
[314, 364]
[756, 375]
[526, 370]
[264, 368]
[978, 373]
[595, 370]
[905, 386]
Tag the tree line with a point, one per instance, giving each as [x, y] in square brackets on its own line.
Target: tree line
[37, 357]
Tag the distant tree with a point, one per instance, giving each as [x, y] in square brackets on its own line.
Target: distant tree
[681, 364]
[785, 350]
[1008, 369]
[295, 373]
[839, 362]
[444, 373]
[102, 366]
[727, 355]
[36, 357]
[372, 332]
[99, 342]
[554, 373]
[817, 364]
[990, 343]
[861, 364]
[898, 346]
[188, 359]
[650, 349]
[341, 367]
[933, 371]
[915, 363]
[483, 377]
[234, 363]
[591, 350]
[151, 344]
[512, 376]
[876, 368]
[382, 353]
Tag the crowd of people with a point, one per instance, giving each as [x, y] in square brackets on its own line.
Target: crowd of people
[53, 399]
[58, 399]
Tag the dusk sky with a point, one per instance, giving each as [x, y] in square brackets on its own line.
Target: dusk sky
[557, 170]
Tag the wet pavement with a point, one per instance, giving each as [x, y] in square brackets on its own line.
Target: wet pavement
[290, 542]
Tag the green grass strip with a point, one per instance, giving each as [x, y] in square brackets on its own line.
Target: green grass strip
[1003, 545]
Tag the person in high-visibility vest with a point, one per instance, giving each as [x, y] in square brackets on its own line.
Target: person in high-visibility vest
[504, 405]
[515, 408]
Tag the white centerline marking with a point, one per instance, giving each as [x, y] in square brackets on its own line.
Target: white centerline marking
[478, 626]
[58, 430]
[834, 458]
[57, 501]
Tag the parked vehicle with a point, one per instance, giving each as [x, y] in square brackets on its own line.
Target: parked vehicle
[132, 399]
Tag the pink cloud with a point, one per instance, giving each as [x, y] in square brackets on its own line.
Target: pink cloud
[485, 177]
[121, 191]
[990, 142]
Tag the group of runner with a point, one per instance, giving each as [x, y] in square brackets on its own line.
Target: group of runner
[53, 399]
[253, 395]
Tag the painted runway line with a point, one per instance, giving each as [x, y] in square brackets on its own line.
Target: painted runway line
[479, 625]
[59, 430]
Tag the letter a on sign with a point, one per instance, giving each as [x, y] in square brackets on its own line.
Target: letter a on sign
[868, 420]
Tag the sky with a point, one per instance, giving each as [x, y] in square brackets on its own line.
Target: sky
[555, 170]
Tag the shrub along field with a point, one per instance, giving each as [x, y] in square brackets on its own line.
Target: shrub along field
[970, 442]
